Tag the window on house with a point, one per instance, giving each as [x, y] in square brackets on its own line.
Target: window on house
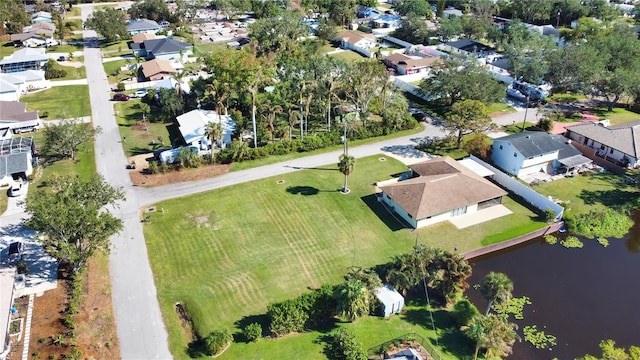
[601, 147]
[610, 151]
[515, 154]
[500, 147]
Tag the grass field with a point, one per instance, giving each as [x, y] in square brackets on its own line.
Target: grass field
[75, 11]
[66, 48]
[348, 55]
[7, 48]
[117, 48]
[617, 116]
[73, 73]
[592, 190]
[60, 102]
[227, 254]
[138, 140]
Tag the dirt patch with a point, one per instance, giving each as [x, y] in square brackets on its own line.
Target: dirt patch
[185, 321]
[95, 329]
[75, 64]
[139, 178]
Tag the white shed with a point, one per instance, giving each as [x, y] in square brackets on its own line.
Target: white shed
[391, 301]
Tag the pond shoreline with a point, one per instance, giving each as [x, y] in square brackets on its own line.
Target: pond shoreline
[489, 249]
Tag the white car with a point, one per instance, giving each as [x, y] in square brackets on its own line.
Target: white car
[140, 93]
[16, 189]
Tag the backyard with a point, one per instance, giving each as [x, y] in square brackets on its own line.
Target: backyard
[60, 102]
[281, 241]
[141, 137]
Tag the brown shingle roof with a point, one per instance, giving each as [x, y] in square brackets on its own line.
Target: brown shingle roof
[156, 66]
[352, 37]
[443, 186]
[408, 62]
[138, 38]
[624, 137]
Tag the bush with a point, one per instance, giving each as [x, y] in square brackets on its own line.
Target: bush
[343, 346]
[253, 332]
[54, 73]
[463, 312]
[286, 317]
[120, 86]
[600, 223]
[217, 341]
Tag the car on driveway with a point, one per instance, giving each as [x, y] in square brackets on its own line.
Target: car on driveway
[120, 97]
[140, 93]
[16, 189]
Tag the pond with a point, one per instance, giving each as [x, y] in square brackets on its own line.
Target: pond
[581, 296]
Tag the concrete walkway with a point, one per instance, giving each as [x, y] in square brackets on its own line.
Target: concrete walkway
[69, 82]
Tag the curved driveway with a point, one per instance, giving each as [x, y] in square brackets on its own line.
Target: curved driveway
[140, 327]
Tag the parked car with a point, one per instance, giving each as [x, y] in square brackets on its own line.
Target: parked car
[120, 97]
[140, 93]
[16, 189]
[62, 58]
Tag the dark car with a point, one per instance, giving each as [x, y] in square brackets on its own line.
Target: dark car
[120, 97]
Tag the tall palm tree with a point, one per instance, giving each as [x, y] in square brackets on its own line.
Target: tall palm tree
[353, 299]
[346, 165]
[214, 133]
[496, 288]
[476, 331]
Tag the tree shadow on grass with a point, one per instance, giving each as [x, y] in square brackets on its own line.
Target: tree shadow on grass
[303, 190]
[608, 198]
[196, 349]
[393, 223]
[139, 151]
[449, 338]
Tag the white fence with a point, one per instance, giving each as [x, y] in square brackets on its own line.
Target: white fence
[397, 41]
[532, 197]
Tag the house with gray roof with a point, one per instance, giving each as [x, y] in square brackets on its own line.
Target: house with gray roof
[141, 26]
[8, 91]
[530, 152]
[16, 155]
[163, 48]
[615, 146]
[24, 59]
[15, 116]
[439, 190]
[41, 16]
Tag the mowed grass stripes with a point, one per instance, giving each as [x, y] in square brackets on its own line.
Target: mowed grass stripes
[228, 253]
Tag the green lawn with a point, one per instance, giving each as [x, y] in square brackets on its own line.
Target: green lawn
[75, 11]
[84, 165]
[227, 254]
[139, 140]
[60, 102]
[112, 69]
[348, 55]
[73, 73]
[617, 116]
[588, 191]
[7, 48]
[499, 108]
[205, 48]
[67, 48]
[117, 48]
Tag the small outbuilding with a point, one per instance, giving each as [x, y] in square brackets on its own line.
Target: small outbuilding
[391, 302]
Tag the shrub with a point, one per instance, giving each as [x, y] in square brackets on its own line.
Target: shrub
[253, 332]
[153, 167]
[120, 86]
[217, 340]
[463, 312]
[343, 345]
[286, 317]
[601, 223]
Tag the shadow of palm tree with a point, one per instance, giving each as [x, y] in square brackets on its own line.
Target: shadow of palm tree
[303, 190]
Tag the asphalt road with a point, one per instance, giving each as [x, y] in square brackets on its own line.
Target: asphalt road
[140, 328]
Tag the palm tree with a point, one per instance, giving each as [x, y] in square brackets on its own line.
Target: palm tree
[353, 299]
[496, 288]
[477, 333]
[239, 150]
[493, 333]
[214, 133]
[346, 165]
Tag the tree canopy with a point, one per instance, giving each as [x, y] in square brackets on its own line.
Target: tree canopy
[70, 213]
[155, 10]
[109, 23]
[62, 140]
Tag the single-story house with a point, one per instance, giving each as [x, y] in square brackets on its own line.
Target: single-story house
[31, 39]
[24, 59]
[451, 11]
[14, 115]
[438, 190]
[164, 48]
[9, 91]
[405, 64]
[618, 145]
[143, 26]
[468, 47]
[138, 38]
[360, 43]
[391, 302]
[16, 156]
[171, 83]
[42, 27]
[192, 127]
[41, 16]
[531, 152]
[157, 69]
[26, 81]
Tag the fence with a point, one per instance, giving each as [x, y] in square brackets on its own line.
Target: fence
[410, 340]
[529, 195]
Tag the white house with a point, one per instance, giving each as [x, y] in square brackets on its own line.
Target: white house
[41, 16]
[192, 127]
[390, 300]
[618, 145]
[143, 26]
[360, 43]
[15, 116]
[163, 48]
[438, 190]
[26, 81]
[15, 158]
[9, 91]
[24, 59]
[531, 152]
